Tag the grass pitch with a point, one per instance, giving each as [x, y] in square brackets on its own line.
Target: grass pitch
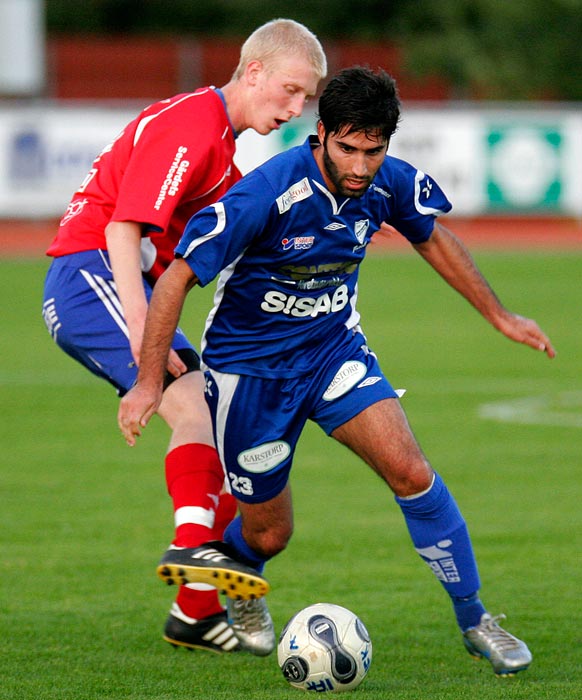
[84, 519]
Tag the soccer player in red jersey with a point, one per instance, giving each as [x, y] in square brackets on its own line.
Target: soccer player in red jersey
[118, 235]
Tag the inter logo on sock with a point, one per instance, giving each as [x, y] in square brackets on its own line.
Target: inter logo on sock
[441, 561]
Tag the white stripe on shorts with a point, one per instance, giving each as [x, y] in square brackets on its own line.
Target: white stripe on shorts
[227, 384]
[108, 295]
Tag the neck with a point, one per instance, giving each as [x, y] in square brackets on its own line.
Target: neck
[232, 92]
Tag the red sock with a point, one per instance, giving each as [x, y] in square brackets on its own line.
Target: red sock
[224, 514]
[195, 478]
[198, 604]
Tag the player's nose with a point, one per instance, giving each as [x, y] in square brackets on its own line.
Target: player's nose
[359, 165]
[296, 105]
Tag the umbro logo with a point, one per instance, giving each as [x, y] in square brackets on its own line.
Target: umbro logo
[334, 226]
[369, 381]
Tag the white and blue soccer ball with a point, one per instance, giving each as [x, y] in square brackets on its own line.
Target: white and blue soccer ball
[325, 647]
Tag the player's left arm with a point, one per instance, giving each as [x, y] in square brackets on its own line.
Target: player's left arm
[454, 263]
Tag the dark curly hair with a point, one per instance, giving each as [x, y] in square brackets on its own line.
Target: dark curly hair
[360, 99]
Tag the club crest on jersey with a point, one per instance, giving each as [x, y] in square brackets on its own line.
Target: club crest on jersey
[361, 229]
[298, 243]
[297, 192]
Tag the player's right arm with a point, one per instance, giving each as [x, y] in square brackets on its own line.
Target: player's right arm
[141, 402]
[123, 246]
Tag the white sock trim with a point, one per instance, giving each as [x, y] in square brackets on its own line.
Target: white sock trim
[194, 515]
[200, 587]
[176, 611]
[418, 495]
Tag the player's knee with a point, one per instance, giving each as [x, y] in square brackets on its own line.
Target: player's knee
[184, 410]
[411, 479]
[273, 541]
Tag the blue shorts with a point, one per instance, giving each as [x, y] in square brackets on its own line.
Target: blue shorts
[83, 314]
[257, 422]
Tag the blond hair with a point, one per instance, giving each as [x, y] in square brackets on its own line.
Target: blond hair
[282, 37]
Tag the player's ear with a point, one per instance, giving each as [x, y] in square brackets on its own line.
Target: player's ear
[321, 132]
[253, 70]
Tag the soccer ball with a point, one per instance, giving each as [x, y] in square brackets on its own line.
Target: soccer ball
[324, 647]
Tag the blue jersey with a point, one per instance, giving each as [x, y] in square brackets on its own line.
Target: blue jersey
[287, 252]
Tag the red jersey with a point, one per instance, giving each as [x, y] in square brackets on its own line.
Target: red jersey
[172, 160]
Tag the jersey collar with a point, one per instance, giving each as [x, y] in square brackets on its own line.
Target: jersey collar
[218, 91]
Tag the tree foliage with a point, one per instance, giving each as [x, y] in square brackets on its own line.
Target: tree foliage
[504, 50]
[517, 49]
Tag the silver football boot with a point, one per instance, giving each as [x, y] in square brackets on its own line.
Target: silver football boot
[506, 653]
[252, 625]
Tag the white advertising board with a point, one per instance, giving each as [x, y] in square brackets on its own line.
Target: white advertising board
[45, 152]
[488, 161]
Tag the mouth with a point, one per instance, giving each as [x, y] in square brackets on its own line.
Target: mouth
[280, 122]
[356, 184]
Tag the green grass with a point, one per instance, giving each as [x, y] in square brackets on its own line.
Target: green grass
[84, 519]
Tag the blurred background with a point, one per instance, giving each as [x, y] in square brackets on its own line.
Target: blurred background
[492, 92]
[492, 108]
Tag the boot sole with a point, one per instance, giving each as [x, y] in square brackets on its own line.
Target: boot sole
[233, 584]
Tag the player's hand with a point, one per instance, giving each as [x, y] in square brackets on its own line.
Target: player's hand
[176, 366]
[135, 410]
[386, 230]
[526, 331]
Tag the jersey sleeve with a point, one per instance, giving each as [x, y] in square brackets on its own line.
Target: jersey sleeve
[418, 202]
[171, 161]
[219, 234]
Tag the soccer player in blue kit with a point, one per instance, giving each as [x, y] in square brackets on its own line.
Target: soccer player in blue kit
[283, 344]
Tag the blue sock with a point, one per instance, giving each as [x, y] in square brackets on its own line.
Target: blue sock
[468, 611]
[440, 536]
[233, 536]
